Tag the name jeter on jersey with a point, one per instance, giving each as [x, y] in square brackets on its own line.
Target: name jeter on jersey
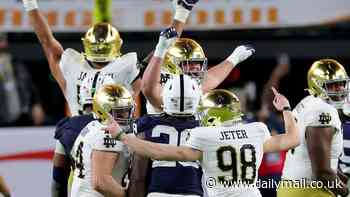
[233, 134]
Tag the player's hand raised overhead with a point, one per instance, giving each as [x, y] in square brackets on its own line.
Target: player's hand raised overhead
[183, 8]
[240, 54]
[280, 102]
[167, 39]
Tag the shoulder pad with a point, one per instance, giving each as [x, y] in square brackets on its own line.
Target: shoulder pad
[130, 57]
[72, 54]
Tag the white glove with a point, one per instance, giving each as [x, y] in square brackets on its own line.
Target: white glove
[167, 39]
[30, 5]
[183, 8]
[240, 54]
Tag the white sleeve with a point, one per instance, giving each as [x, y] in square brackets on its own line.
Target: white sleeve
[265, 131]
[325, 117]
[69, 63]
[194, 139]
[133, 70]
[104, 142]
[59, 148]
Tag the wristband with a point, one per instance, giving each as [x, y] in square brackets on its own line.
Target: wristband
[287, 108]
[160, 51]
[118, 137]
[181, 14]
[233, 59]
[30, 5]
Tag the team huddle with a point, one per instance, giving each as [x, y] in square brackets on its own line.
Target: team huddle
[192, 132]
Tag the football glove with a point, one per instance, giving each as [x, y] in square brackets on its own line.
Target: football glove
[240, 54]
[30, 5]
[167, 39]
[183, 8]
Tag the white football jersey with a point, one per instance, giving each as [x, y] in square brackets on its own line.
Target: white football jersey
[230, 153]
[75, 69]
[164, 77]
[314, 112]
[93, 138]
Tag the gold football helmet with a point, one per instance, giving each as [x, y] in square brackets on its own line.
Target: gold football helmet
[102, 43]
[219, 107]
[328, 80]
[187, 57]
[114, 100]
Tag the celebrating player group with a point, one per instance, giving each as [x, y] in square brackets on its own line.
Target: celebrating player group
[192, 132]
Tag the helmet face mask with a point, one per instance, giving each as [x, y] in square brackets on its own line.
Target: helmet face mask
[123, 115]
[196, 68]
[116, 101]
[186, 57]
[328, 80]
[102, 43]
[337, 92]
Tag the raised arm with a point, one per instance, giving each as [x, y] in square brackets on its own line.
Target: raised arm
[102, 179]
[182, 9]
[290, 139]
[218, 73]
[52, 48]
[150, 85]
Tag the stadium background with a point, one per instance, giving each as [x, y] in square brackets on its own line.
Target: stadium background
[286, 34]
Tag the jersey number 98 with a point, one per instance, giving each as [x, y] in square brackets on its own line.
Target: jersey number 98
[243, 163]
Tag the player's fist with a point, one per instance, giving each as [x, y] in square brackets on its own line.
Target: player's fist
[240, 54]
[279, 101]
[183, 9]
[113, 128]
[167, 39]
[187, 4]
[30, 5]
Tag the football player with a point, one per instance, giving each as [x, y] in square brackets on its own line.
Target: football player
[185, 56]
[229, 151]
[316, 159]
[102, 57]
[181, 96]
[102, 54]
[67, 130]
[95, 153]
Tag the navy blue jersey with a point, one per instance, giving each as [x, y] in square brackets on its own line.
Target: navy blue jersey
[344, 161]
[68, 129]
[169, 176]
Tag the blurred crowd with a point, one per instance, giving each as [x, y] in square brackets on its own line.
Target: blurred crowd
[20, 98]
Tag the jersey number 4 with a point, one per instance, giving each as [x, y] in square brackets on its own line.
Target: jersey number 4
[79, 164]
[243, 162]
